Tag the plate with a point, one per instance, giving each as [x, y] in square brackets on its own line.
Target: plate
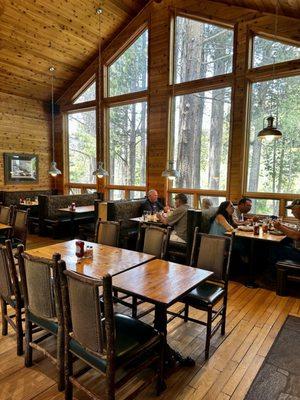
[245, 228]
[275, 232]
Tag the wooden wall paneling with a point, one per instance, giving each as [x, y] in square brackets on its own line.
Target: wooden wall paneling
[25, 128]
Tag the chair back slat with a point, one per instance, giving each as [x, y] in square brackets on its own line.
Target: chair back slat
[6, 215]
[87, 327]
[156, 241]
[6, 287]
[39, 288]
[212, 254]
[107, 233]
[20, 225]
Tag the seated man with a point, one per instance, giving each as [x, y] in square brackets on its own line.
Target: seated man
[177, 219]
[240, 211]
[152, 204]
[291, 250]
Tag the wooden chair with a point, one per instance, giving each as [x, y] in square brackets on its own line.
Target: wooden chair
[108, 345]
[6, 214]
[20, 228]
[287, 270]
[152, 240]
[107, 232]
[43, 308]
[6, 218]
[212, 253]
[10, 295]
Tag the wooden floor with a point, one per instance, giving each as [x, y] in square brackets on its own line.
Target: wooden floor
[254, 318]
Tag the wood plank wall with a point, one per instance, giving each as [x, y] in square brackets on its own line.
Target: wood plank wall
[245, 22]
[25, 128]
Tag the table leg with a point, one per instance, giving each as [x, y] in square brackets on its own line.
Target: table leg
[172, 356]
[250, 283]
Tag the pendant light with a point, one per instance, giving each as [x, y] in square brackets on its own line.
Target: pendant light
[100, 172]
[53, 171]
[170, 172]
[270, 132]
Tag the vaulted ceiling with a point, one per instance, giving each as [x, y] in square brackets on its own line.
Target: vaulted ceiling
[36, 34]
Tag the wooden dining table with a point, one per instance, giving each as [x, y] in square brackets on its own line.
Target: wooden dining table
[106, 259]
[249, 235]
[4, 226]
[161, 283]
[78, 211]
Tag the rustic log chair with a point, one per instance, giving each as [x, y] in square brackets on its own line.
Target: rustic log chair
[105, 344]
[152, 240]
[20, 228]
[287, 270]
[10, 295]
[107, 232]
[43, 307]
[212, 253]
[6, 218]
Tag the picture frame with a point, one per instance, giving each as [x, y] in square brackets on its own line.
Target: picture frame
[20, 168]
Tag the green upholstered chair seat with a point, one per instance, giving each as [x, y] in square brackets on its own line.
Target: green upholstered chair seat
[204, 294]
[130, 335]
[50, 325]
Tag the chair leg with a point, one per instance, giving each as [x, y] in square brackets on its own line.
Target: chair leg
[134, 307]
[68, 374]
[281, 282]
[186, 312]
[60, 359]
[223, 326]
[3, 317]
[28, 340]
[208, 332]
[19, 331]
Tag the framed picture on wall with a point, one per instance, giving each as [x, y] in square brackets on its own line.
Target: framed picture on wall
[20, 168]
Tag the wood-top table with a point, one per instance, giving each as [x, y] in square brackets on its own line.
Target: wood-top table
[78, 211]
[3, 226]
[267, 237]
[106, 259]
[161, 283]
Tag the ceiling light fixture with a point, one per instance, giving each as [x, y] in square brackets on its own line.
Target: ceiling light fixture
[53, 171]
[100, 172]
[270, 132]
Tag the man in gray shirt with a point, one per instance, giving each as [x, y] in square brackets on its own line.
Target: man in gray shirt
[178, 219]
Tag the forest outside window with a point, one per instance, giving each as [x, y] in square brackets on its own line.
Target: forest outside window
[82, 146]
[266, 51]
[128, 144]
[201, 50]
[275, 167]
[88, 94]
[129, 73]
[201, 137]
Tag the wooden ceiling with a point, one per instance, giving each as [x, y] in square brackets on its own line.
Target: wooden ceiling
[36, 34]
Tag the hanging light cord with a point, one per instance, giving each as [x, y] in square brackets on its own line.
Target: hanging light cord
[275, 55]
[52, 109]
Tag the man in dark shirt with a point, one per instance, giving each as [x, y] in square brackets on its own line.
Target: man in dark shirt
[152, 204]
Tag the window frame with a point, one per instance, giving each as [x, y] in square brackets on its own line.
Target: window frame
[196, 86]
[120, 100]
[262, 74]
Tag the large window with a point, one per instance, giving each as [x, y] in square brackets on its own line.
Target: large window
[127, 144]
[129, 73]
[275, 167]
[82, 146]
[266, 51]
[202, 50]
[201, 136]
[88, 94]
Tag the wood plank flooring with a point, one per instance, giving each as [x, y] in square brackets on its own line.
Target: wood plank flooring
[254, 318]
